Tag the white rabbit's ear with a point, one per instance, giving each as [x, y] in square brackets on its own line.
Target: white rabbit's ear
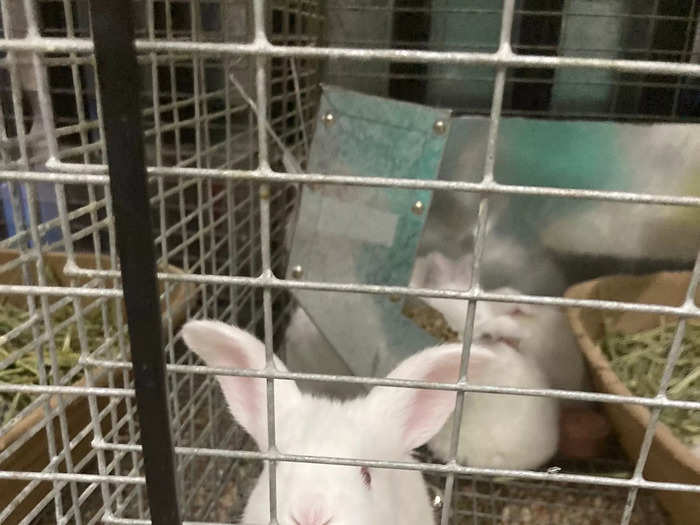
[225, 346]
[417, 414]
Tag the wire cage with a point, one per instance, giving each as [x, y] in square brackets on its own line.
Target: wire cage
[229, 93]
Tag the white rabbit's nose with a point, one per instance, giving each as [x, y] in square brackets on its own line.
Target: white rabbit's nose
[312, 515]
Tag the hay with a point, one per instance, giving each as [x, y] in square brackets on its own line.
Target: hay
[639, 360]
[24, 368]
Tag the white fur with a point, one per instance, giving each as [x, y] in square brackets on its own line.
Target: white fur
[435, 270]
[498, 430]
[543, 334]
[385, 425]
[540, 332]
[325, 427]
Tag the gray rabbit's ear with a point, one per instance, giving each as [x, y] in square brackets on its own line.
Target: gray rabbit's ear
[224, 346]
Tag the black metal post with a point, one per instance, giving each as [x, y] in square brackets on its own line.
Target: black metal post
[119, 81]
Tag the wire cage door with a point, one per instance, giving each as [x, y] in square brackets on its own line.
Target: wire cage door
[151, 162]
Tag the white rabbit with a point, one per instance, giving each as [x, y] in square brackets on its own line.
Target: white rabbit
[435, 270]
[501, 430]
[543, 334]
[387, 424]
[539, 332]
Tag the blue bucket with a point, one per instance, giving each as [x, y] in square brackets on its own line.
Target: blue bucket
[48, 209]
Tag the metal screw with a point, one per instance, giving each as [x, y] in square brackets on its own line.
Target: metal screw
[553, 470]
[297, 272]
[439, 127]
[394, 298]
[437, 501]
[329, 119]
[417, 208]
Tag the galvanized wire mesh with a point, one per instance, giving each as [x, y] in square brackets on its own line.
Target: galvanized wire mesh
[221, 202]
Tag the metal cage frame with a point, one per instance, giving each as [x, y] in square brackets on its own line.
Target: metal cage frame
[262, 50]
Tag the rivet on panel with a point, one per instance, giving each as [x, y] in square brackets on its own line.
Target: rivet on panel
[440, 127]
[297, 272]
[329, 119]
[417, 208]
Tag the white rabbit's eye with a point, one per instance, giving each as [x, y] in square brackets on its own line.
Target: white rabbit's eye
[366, 477]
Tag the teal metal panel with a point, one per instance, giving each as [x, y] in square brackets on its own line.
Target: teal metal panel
[366, 235]
[348, 234]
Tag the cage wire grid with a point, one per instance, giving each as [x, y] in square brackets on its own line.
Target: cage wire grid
[220, 210]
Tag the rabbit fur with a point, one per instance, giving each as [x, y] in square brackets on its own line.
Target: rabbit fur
[502, 430]
[539, 332]
[386, 424]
